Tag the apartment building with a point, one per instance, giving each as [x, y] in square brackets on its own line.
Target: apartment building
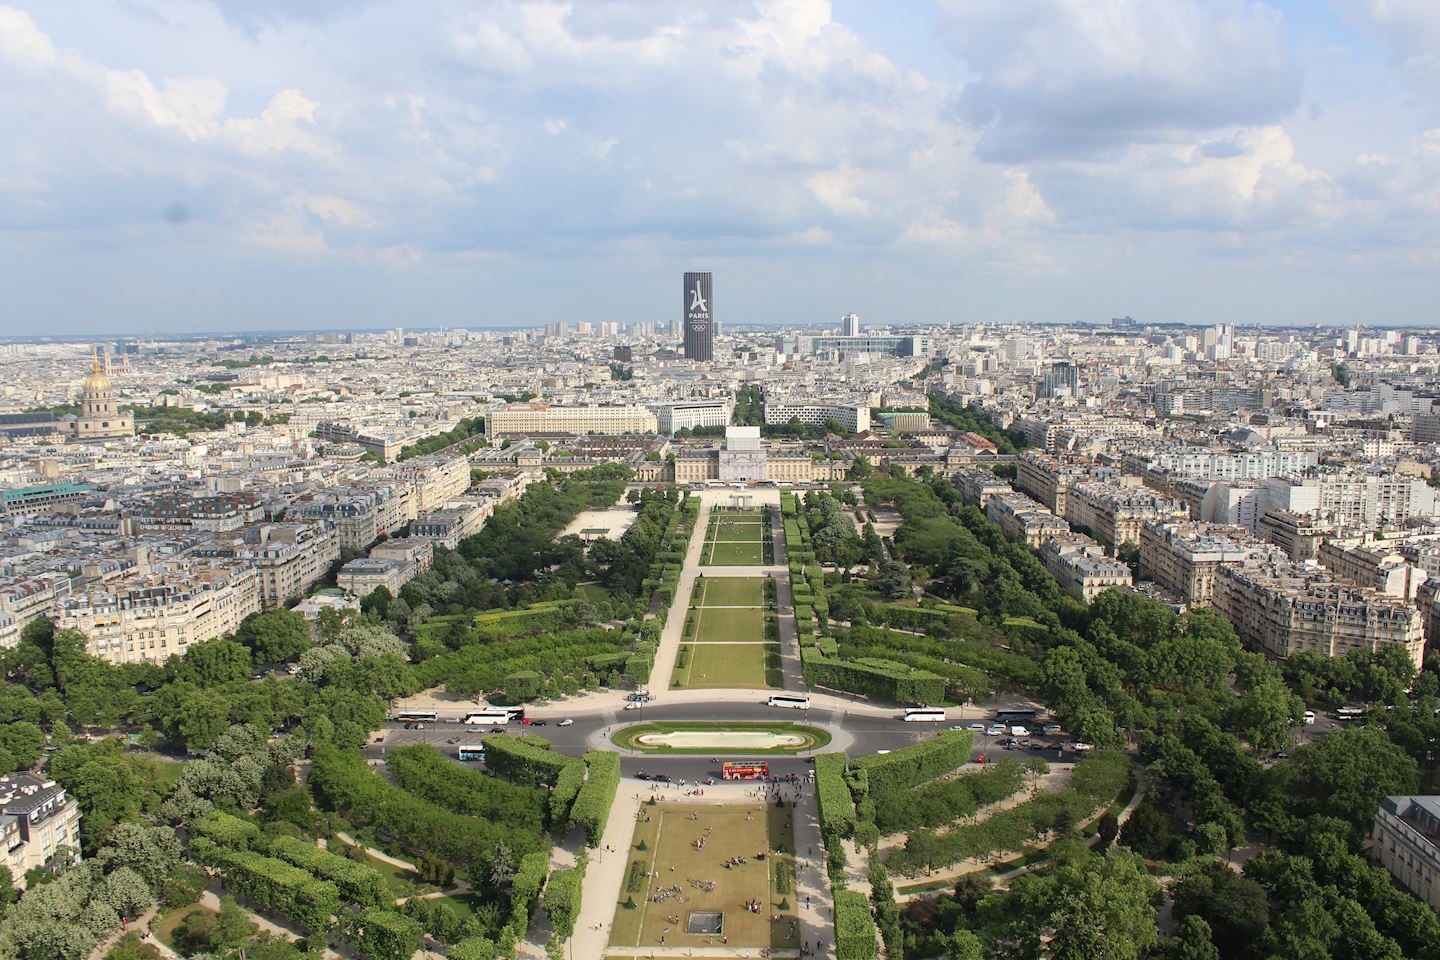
[154, 617]
[524, 419]
[434, 480]
[1021, 518]
[1427, 599]
[1114, 514]
[365, 574]
[853, 417]
[42, 499]
[1182, 557]
[1200, 463]
[1046, 479]
[354, 518]
[978, 486]
[289, 558]
[1375, 564]
[671, 417]
[1363, 501]
[1079, 563]
[416, 550]
[1298, 535]
[37, 817]
[1284, 608]
[1406, 842]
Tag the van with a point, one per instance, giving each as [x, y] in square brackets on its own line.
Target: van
[1309, 718]
[1019, 731]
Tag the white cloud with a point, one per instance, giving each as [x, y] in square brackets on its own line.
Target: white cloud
[1066, 78]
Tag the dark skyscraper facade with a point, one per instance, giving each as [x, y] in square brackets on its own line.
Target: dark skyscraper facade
[699, 316]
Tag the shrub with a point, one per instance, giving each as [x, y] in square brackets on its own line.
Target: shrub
[837, 809]
[357, 882]
[854, 927]
[592, 804]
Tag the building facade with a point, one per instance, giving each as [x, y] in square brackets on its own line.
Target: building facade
[699, 314]
[37, 818]
[525, 419]
[1407, 843]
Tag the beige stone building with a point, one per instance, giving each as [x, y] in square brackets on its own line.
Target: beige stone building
[523, 419]
[1114, 514]
[1079, 563]
[1407, 843]
[151, 618]
[100, 415]
[1182, 557]
[1285, 608]
[37, 818]
[1021, 518]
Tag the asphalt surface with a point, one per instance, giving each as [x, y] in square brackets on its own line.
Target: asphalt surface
[866, 734]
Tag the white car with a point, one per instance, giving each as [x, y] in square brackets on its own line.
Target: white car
[1052, 729]
[1082, 747]
[995, 730]
[976, 728]
[632, 706]
[567, 722]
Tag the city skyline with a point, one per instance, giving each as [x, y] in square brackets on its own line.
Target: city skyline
[216, 167]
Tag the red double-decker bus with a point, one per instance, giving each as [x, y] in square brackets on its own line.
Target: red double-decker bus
[745, 770]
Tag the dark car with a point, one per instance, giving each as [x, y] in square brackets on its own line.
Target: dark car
[537, 723]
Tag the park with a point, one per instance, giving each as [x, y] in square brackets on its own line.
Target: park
[705, 875]
[730, 636]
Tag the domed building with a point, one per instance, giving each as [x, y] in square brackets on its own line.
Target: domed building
[100, 416]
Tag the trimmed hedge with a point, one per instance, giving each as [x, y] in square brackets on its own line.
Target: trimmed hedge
[592, 805]
[1096, 780]
[527, 759]
[944, 801]
[357, 882]
[276, 885]
[425, 772]
[854, 927]
[837, 808]
[563, 794]
[343, 781]
[899, 770]
[562, 905]
[882, 679]
[385, 934]
[227, 830]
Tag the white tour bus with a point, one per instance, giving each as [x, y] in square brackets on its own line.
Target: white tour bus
[924, 714]
[496, 716]
[797, 700]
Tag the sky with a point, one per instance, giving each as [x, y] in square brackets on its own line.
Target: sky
[184, 166]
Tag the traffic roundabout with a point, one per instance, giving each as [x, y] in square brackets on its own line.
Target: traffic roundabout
[689, 737]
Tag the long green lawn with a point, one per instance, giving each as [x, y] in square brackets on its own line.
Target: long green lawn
[711, 666]
[736, 530]
[730, 554]
[729, 592]
[729, 623]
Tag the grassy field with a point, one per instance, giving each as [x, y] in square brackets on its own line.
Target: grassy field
[665, 844]
[729, 592]
[724, 665]
[816, 738]
[737, 530]
[165, 924]
[729, 554]
[734, 539]
[731, 623]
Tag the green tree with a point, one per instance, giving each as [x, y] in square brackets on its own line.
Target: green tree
[1092, 905]
[1344, 775]
[151, 851]
[275, 635]
[212, 663]
[1192, 941]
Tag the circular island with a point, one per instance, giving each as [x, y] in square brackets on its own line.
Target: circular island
[720, 738]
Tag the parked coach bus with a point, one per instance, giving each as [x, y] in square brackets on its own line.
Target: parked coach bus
[495, 716]
[745, 770]
[415, 716]
[796, 701]
[924, 714]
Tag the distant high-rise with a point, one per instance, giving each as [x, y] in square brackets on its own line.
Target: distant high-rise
[850, 325]
[699, 316]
